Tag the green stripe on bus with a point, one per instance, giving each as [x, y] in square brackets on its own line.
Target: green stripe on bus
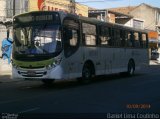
[33, 64]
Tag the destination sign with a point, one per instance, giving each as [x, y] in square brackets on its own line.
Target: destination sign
[36, 18]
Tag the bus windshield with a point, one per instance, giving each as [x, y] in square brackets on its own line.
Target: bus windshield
[39, 39]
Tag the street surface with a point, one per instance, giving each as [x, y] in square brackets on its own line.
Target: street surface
[105, 95]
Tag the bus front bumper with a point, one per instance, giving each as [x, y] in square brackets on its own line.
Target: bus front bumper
[54, 73]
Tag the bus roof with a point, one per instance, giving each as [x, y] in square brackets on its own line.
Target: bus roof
[86, 19]
[96, 21]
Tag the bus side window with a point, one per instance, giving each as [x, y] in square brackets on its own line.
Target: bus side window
[140, 40]
[129, 43]
[137, 39]
[89, 34]
[104, 36]
[117, 38]
[130, 39]
[112, 37]
[122, 38]
[144, 40]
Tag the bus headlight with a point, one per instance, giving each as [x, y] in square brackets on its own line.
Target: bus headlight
[54, 64]
[49, 67]
[14, 65]
[57, 61]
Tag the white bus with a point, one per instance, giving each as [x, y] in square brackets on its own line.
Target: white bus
[52, 45]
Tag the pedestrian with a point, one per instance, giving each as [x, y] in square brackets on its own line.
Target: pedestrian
[7, 48]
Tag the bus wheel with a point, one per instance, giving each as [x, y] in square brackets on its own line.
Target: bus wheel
[48, 81]
[87, 72]
[131, 68]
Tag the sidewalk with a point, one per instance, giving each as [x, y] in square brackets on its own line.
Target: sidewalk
[8, 78]
[154, 62]
[6, 72]
[5, 78]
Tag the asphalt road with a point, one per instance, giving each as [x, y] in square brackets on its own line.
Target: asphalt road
[106, 95]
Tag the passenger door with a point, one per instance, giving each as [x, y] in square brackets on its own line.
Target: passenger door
[71, 48]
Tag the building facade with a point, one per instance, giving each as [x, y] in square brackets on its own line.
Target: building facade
[6, 14]
[108, 16]
[21, 6]
[146, 15]
[69, 6]
[2, 19]
[150, 15]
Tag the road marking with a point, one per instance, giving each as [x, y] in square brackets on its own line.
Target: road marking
[29, 110]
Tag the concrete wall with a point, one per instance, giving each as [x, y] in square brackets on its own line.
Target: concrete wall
[129, 23]
[57, 5]
[20, 7]
[2, 36]
[2, 10]
[147, 14]
[2, 18]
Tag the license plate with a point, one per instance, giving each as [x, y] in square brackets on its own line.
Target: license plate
[31, 73]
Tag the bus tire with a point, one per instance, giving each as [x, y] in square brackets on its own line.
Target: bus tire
[131, 68]
[47, 82]
[88, 72]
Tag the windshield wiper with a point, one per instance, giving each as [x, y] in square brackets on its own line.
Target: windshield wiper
[44, 26]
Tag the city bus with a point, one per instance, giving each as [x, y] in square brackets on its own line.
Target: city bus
[50, 45]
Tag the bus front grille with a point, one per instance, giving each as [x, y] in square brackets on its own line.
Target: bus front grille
[32, 73]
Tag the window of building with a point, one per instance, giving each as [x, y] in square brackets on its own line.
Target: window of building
[138, 24]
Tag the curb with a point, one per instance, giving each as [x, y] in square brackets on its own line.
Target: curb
[154, 62]
[5, 78]
[8, 78]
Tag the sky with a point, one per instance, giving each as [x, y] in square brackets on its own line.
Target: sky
[101, 4]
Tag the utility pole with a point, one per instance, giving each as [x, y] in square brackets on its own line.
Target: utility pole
[14, 6]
